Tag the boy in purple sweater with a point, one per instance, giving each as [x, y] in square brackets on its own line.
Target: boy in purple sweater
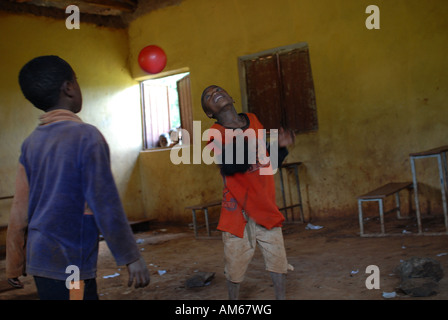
[64, 167]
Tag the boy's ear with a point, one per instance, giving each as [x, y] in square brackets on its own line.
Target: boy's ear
[208, 113]
[67, 88]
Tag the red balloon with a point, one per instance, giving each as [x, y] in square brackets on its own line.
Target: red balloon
[152, 59]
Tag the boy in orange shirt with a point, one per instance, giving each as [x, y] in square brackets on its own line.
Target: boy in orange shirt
[249, 213]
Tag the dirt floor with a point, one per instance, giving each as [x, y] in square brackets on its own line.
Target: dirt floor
[329, 264]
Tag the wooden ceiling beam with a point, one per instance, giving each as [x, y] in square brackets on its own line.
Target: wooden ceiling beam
[118, 5]
[122, 5]
[57, 13]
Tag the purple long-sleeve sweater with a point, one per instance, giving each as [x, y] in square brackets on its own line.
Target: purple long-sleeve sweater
[68, 165]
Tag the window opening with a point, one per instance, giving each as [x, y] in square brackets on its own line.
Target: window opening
[166, 108]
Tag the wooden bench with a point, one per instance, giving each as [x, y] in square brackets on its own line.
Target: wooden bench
[379, 195]
[140, 225]
[204, 207]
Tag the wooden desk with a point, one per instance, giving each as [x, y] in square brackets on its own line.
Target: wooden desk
[440, 154]
[285, 208]
[204, 207]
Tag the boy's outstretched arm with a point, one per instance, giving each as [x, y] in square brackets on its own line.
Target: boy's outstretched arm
[103, 199]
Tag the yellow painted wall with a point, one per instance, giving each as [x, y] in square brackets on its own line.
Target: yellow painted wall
[168, 189]
[111, 102]
[381, 94]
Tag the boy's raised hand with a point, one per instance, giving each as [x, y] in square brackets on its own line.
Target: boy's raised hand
[138, 272]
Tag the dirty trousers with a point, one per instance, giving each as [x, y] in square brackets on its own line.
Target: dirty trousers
[238, 252]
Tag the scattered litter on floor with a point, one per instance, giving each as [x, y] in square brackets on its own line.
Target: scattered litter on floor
[442, 254]
[200, 279]
[389, 295]
[161, 272]
[140, 241]
[116, 274]
[310, 226]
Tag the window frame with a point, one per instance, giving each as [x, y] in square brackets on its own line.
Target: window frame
[145, 144]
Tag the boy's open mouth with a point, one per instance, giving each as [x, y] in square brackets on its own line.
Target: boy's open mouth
[218, 97]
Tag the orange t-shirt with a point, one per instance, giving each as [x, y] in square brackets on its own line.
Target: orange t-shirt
[249, 191]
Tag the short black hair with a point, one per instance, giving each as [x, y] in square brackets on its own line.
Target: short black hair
[41, 80]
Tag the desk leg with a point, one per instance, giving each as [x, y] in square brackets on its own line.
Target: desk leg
[361, 222]
[381, 205]
[417, 204]
[398, 203]
[206, 221]
[285, 211]
[443, 188]
[195, 225]
[444, 164]
[296, 170]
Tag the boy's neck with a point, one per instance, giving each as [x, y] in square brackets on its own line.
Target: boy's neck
[57, 108]
[231, 119]
[60, 108]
